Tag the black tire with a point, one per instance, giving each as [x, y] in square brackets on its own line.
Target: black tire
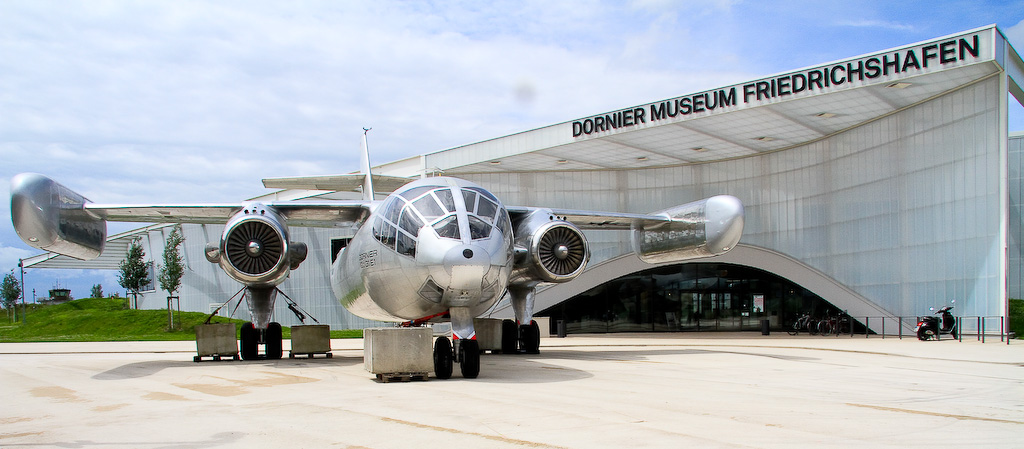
[469, 358]
[530, 338]
[249, 341]
[442, 358]
[509, 337]
[923, 334]
[273, 338]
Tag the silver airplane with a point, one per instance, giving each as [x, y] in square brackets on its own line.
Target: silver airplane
[438, 249]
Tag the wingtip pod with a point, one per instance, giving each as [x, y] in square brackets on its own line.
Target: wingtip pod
[51, 217]
[704, 228]
[724, 223]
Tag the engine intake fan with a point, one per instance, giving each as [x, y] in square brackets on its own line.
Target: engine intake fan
[558, 252]
[254, 248]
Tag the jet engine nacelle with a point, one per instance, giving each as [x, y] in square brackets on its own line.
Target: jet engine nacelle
[703, 228]
[254, 248]
[548, 249]
[52, 217]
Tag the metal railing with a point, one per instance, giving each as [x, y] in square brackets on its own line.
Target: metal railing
[972, 326]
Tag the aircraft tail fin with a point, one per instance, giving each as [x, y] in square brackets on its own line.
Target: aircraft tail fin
[365, 168]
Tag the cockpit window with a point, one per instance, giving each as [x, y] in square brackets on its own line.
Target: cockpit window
[428, 207]
[410, 222]
[504, 225]
[392, 209]
[447, 200]
[470, 198]
[484, 192]
[478, 229]
[486, 209]
[448, 228]
[415, 192]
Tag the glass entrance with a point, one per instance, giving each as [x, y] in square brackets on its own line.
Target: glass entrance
[687, 297]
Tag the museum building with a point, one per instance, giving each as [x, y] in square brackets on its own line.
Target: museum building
[877, 186]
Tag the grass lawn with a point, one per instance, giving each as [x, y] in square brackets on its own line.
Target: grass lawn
[106, 319]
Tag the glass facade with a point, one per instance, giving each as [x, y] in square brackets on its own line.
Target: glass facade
[689, 297]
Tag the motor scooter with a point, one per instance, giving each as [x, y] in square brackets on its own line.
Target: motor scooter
[929, 327]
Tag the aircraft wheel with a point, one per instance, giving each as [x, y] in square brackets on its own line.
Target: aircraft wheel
[469, 358]
[273, 339]
[509, 337]
[250, 339]
[530, 335]
[442, 358]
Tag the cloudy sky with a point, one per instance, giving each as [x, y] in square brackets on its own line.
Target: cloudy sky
[185, 101]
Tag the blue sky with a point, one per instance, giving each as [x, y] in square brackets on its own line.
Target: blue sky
[170, 102]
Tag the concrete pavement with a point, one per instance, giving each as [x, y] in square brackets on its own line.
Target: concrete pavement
[637, 390]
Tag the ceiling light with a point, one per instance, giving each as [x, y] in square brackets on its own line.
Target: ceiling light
[827, 114]
[563, 161]
[898, 85]
[495, 162]
[765, 138]
[642, 158]
[700, 149]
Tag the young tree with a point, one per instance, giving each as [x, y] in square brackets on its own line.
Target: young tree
[172, 269]
[10, 291]
[133, 272]
[97, 291]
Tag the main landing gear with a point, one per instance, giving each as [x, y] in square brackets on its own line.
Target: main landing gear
[270, 338]
[523, 338]
[466, 352]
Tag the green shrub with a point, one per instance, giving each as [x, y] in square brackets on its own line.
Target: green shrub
[1017, 317]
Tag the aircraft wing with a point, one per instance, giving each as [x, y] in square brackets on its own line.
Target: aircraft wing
[344, 183]
[597, 220]
[298, 213]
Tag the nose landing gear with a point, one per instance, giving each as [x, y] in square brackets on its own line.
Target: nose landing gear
[466, 352]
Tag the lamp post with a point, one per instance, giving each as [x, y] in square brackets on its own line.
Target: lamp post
[24, 311]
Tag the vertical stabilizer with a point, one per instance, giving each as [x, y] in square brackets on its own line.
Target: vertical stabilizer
[365, 167]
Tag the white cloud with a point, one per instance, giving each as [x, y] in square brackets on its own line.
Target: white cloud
[889, 25]
[1015, 34]
[9, 257]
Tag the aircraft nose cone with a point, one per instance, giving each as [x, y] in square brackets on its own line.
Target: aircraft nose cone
[467, 266]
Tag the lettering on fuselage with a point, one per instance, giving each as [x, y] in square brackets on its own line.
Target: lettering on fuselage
[368, 259]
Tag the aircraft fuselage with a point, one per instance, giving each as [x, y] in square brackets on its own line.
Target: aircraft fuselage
[434, 244]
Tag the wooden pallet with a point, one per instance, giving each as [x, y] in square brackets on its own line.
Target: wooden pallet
[215, 357]
[309, 355]
[402, 377]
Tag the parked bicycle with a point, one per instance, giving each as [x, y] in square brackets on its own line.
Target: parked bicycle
[804, 323]
[839, 324]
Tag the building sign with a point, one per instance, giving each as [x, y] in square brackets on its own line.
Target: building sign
[898, 64]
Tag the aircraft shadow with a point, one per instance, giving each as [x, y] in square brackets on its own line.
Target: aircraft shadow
[646, 354]
[144, 369]
[535, 368]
